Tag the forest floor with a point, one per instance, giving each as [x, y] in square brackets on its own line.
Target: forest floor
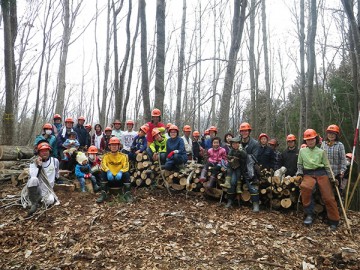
[162, 232]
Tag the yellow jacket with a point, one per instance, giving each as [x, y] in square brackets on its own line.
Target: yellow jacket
[115, 162]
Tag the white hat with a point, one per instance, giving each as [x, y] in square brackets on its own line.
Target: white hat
[80, 157]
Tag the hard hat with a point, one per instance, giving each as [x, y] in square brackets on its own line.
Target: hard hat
[213, 128]
[263, 135]
[114, 140]
[154, 132]
[244, 126]
[173, 127]
[108, 129]
[333, 128]
[43, 146]
[88, 126]
[129, 122]
[310, 134]
[206, 132]
[156, 112]
[92, 149]
[186, 128]
[69, 120]
[304, 145]
[273, 142]
[349, 155]
[168, 125]
[47, 126]
[81, 118]
[57, 116]
[196, 133]
[144, 128]
[290, 137]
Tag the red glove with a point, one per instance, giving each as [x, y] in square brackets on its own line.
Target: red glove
[170, 154]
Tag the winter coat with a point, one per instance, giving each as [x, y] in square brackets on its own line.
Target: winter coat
[81, 170]
[289, 161]
[159, 147]
[237, 159]
[67, 144]
[51, 140]
[217, 156]
[139, 143]
[176, 144]
[62, 136]
[82, 135]
[196, 148]
[266, 157]
[252, 149]
[115, 162]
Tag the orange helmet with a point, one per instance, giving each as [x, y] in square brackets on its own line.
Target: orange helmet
[244, 126]
[154, 132]
[92, 149]
[263, 135]
[47, 126]
[213, 128]
[333, 128]
[187, 128]
[43, 146]
[57, 116]
[117, 122]
[349, 155]
[168, 125]
[88, 126]
[144, 128]
[174, 127]
[309, 134]
[156, 112]
[81, 118]
[69, 120]
[290, 137]
[273, 142]
[108, 129]
[129, 122]
[206, 132]
[196, 133]
[114, 140]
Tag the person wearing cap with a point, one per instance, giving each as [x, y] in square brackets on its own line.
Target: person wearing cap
[116, 131]
[266, 155]
[158, 147]
[128, 136]
[314, 167]
[335, 152]
[82, 134]
[237, 158]
[46, 136]
[43, 172]
[175, 151]
[198, 147]
[154, 123]
[273, 144]
[187, 141]
[57, 125]
[83, 171]
[97, 136]
[290, 156]
[63, 136]
[104, 143]
[139, 144]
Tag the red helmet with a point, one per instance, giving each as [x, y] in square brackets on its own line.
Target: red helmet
[174, 127]
[290, 137]
[309, 134]
[213, 128]
[92, 149]
[43, 146]
[187, 128]
[333, 128]
[196, 133]
[206, 132]
[117, 121]
[244, 126]
[156, 112]
[349, 155]
[129, 122]
[114, 140]
[273, 142]
[144, 128]
[57, 116]
[263, 135]
[154, 132]
[47, 126]
[81, 118]
[108, 129]
[168, 125]
[69, 120]
[88, 126]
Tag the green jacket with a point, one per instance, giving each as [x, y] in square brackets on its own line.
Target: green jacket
[311, 159]
[159, 147]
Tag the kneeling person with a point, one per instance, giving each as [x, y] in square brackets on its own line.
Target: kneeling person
[157, 148]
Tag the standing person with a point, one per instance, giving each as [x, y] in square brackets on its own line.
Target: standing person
[290, 156]
[88, 128]
[116, 131]
[175, 151]
[97, 136]
[314, 167]
[64, 135]
[104, 144]
[198, 147]
[139, 144]
[187, 141]
[266, 155]
[154, 123]
[251, 147]
[115, 171]
[43, 172]
[157, 147]
[57, 125]
[208, 139]
[273, 143]
[82, 133]
[128, 136]
[226, 143]
[47, 136]
[335, 152]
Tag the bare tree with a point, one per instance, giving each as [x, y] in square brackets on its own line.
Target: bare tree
[301, 33]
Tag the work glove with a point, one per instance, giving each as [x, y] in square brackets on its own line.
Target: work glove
[118, 176]
[170, 154]
[176, 151]
[86, 175]
[110, 176]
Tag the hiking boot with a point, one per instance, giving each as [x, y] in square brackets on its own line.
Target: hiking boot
[333, 227]
[202, 178]
[34, 197]
[96, 188]
[256, 207]
[238, 187]
[128, 196]
[227, 183]
[102, 197]
[309, 220]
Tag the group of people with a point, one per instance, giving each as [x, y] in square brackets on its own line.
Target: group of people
[240, 158]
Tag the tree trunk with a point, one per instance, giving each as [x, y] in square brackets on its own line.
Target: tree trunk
[237, 30]
[252, 65]
[144, 65]
[302, 70]
[181, 67]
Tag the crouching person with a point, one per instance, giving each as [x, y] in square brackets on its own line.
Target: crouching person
[175, 151]
[237, 158]
[314, 166]
[157, 149]
[42, 172]
[115, 170]
[83, 171]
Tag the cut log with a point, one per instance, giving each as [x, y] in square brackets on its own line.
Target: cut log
[214, 192]
[139, 166]
[148, 181]
[139, 157]
[286, 203]
[64, 187]
[245, 195]
[183, 181]
[177, 186]
[11, 152]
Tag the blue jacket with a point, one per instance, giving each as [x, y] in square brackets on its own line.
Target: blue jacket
[82, 135]
[81, 170]
[176, 144]
[139, 143]
[51, 140]
[61, 139]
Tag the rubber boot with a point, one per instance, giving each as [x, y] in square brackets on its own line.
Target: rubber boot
[103, 196]
[82, 184]
[128, 196]
[227, 183]
[238, 187]
[230, 201]
[202, 178]
[308, 220]
[34, 197]
[256, 207]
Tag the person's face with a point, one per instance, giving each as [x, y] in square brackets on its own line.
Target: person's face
[44, 154]
[291, 144]
[141, 133]
[331, 136]
[244, 134]
[97, 128]
[81, 122]
[263, 140]
[72, 137]
[215, 144]
[173, 134]
[84, 162]
[68, 124]
[114, 147]
[129, 127]
[158, 137]
[108, 133]
[235, 145]
[155, 119]
[57, 121]
[228, 137]
[311, 143]
[212, 134]
[117, 126]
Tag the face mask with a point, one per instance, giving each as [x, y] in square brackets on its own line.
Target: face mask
[48, 131]
[91, 156]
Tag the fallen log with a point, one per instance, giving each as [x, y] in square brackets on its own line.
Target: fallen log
[12, 152]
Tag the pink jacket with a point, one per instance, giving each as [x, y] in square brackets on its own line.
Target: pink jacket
[217, 155]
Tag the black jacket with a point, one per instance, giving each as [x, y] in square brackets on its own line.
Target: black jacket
[82, 135]
[289, 161]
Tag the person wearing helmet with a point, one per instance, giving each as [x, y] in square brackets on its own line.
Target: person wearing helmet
[116, 131]
[251, 147]
[187, 141]
[128, 136]
[273, 144]
[139, 144]
[314, 167]
[154, 123]
[83, 171]
[226, 143]
[82, 134]
[63, 136]
[198, 147]
[158, 147]
[115, 171]
[95, 163]
[266, 155]
[167, 130]
[290, 156]
[104, 144]
[97, 136]
[71, 145]
[46, 136]
[335, 152]
[43, 172]
[175, 151]
[208, 139]
[57, 125]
